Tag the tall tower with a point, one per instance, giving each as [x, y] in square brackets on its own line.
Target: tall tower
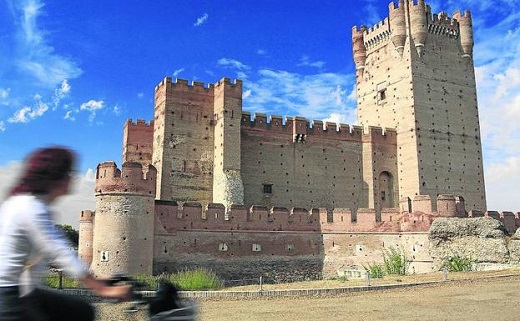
[183, 140]
[124, 221]
[86, 236]
[227, 182]
[415, 73]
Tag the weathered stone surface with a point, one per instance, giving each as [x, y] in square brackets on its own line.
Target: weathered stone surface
[481, 239]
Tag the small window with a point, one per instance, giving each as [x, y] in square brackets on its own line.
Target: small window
[104, 256]
[383, 195]
[268, 188]
[381, 95]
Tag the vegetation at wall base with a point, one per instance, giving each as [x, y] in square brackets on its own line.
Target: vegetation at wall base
[188, 280]
[376, 270]
[458, 263]
[53, 280]
[395, 261]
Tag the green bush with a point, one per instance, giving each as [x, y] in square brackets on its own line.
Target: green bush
[395, 261]
[376, 270]
[189, 280]
[458, 263]
[198, 279]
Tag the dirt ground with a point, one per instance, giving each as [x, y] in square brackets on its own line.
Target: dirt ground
[487, 298]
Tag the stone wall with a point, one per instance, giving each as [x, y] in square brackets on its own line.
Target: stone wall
[484, 240]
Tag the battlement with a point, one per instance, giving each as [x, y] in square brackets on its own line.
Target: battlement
[315, 128]
[133, 178]
[377, 34]
[139, 123]
[184, 84]
[462, 17]
[87, 216]
[193, 216]
[227, 82]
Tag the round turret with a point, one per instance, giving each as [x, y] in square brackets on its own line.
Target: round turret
[86, 236]
[358, 48]
[124, 224]
[466, 33]
[398, 25]
[419, 25]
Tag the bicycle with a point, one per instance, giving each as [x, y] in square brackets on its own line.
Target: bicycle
[164, 306]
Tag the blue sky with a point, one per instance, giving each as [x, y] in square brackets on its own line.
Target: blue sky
[72, 72]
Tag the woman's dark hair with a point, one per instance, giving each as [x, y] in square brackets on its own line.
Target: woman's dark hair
[43, 169]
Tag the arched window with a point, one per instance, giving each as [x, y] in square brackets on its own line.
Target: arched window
[386, 190]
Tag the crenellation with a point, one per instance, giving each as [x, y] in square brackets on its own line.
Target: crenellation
[377, 34]
[422, 203]
[260, 120]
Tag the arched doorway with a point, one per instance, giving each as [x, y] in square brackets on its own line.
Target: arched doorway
[386, 190]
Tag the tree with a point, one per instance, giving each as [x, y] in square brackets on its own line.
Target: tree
[70, 233]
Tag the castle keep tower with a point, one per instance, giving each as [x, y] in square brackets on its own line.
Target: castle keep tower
[415, 73]
[124, 221]
[196, 141]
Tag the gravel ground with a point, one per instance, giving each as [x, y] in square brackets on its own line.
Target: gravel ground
[490, 298]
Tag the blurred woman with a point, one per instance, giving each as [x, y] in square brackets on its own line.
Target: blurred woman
[29, 239]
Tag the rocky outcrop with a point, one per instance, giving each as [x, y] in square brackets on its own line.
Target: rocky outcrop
[484, 240]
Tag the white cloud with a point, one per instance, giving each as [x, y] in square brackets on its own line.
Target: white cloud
[262, 52]
[293, 94]
[4, 93]
[140, 95]
[349, 117]
[232, 63]
[2, 126]
[26, 114]
[305, 61]
[60, 93]
[38, 58]
[92, 106]
[116, 110]
[70, 115]
[502, 179]
[177, 72]
[201, 20]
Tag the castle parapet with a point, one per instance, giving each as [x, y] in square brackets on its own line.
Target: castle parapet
[422, 203]
[134, 178]
[377, 35]
[184, 85]
[446, 205]
[87, 216]
[215, 217]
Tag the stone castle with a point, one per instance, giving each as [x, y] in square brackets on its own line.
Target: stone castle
[206, 184]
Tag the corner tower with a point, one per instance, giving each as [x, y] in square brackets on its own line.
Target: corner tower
[415, 73]
[124, 220]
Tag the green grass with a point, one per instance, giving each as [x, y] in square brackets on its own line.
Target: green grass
[458, 263]
[376, 270]
[53, 281]
[189, 280]
[395, 261]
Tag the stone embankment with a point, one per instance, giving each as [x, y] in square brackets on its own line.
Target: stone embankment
[484, 240]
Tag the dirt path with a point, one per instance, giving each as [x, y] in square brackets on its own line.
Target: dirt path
[485, 299]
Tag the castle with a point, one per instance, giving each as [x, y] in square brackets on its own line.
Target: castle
[206, 184]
